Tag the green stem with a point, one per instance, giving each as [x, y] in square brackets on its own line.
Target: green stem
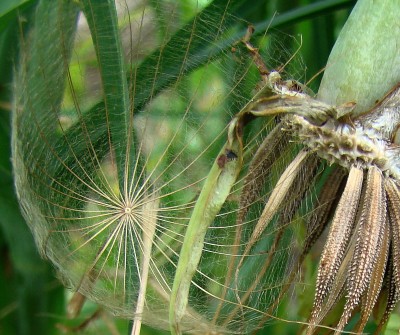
[365, 62]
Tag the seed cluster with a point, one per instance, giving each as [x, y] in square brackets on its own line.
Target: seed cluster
[358, 201]
[358, 262]
[346, 144]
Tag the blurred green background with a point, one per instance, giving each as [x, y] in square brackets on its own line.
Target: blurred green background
[32, 301]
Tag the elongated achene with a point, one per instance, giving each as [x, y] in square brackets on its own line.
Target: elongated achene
[338, 238]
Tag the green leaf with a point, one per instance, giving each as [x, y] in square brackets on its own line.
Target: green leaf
[303, 13]
[9, 10]
[103, 24]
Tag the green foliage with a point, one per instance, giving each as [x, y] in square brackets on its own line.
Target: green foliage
[174, 71]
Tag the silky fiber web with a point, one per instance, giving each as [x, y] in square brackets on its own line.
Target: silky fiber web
[160, 177]
[109, 186]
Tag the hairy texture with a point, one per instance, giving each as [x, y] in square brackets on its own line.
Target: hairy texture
[338, 237]
[298, 190]
[369, 242]
[133, 218]
[257, 174]
[375, 286]
[316, 224]
[336, 292]
[278, 196]
[393, 196]
[347, 145]
[394, 217]
[297, 193]
[289, 180]
[326, 203]
[389, 292]
[213, 195]
[259, 169]
[355, 256]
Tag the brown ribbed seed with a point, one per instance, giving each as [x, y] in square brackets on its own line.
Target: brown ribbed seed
[326, 201]
[338, 288]
[278, 196]
[298, 190]
[316, 224]
[393, 195]
[276, 201]
[271, 148]
[394, 217]
[375, 286]
[391, 291]
[369, 241]
[338, 237]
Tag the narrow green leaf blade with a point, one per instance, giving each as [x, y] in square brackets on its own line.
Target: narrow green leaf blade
[103, 24]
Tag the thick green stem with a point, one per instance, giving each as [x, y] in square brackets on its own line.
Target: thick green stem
[365, 61]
